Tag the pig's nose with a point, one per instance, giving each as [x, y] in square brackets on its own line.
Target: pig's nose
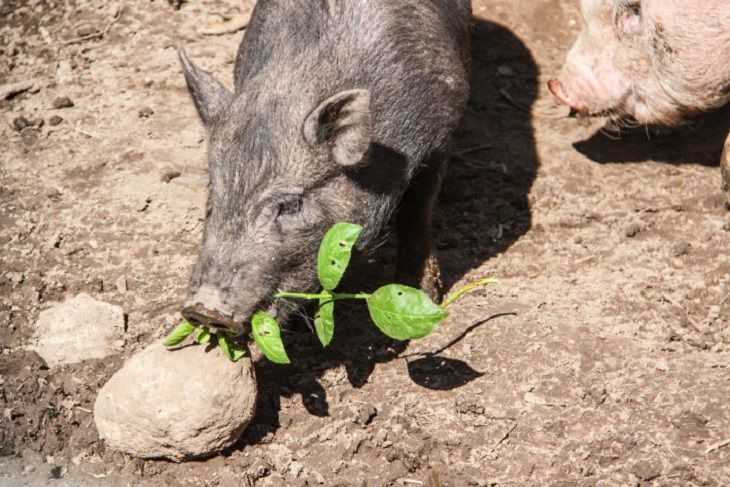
[198, 314]
[206, 307]
[556, 88]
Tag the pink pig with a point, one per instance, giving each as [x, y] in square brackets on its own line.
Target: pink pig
[657, 61]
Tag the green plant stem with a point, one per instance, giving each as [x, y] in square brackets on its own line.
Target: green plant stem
[469, 287]
[311, 297]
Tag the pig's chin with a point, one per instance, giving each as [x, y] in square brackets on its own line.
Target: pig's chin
[244, 319]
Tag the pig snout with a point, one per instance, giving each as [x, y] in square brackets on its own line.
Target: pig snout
[207, 308]
[556, 88]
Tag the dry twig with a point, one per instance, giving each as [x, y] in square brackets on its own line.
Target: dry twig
[100, 34]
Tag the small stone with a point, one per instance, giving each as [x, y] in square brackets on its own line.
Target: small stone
[145, 112]
[62, 102]
[10, 90]
[681, 249]
[578, 240]
[633, 229]
[363, 414]
[280, 457]
[121, 284]
[646, 470]
[170, 175]
[662, 365]
[505, 71]
[80, 329]
[55, 120]
[20, 123]
[296, 469]
[86, 30]
[179, 404]
[714, 313]
[54, 241]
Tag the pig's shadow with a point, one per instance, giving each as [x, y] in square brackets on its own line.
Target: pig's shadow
[483, 210]
[698, 142]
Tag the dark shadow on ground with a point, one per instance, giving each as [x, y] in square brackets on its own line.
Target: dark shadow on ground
[483, 210]
[700, 141]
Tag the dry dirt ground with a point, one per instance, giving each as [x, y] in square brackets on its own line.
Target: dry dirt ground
[602, 358]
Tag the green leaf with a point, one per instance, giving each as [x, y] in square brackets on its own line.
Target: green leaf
[334, 253]
[324, 320]
[404, 313]
[203, 335]
[267, 335]
[179, 334]
[230, 349]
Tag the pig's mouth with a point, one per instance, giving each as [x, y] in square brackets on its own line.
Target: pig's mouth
[234, 324]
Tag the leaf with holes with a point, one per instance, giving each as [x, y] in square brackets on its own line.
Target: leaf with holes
[335, 252]
[267, 335]
[230, 349]
[179, 334]
[403, 312]
[324, 320]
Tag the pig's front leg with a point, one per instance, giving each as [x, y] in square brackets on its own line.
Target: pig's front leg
[417, 263]
[725, 169]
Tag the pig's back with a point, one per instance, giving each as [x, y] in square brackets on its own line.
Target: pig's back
[411, 54]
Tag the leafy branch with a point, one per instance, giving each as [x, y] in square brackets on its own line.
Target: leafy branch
[400, 312]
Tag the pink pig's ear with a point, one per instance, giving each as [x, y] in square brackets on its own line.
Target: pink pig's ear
[628, 19]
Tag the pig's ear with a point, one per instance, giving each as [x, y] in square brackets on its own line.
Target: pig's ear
[209, 95]
[341, 123]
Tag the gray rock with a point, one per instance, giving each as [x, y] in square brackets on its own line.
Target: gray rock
[178, 404]
[82, 328]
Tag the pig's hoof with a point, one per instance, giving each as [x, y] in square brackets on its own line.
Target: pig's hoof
[177, 404]
[426, 277]
[431, 281]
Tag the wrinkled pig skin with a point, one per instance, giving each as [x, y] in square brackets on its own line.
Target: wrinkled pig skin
[343, 110]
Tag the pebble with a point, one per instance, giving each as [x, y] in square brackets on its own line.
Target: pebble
[681, 249]
[633, 229]
[62, 102]
[20, 123]
[505, 71]
[55, 120]
[169, 176]
[121, 284]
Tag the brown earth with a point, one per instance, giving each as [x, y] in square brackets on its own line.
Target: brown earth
[602, 358]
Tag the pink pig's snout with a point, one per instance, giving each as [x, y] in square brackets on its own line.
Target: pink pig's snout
[556, 88]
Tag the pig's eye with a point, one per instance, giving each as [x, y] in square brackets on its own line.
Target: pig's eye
[289, 208]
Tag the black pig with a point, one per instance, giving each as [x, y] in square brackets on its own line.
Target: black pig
[343, 111]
